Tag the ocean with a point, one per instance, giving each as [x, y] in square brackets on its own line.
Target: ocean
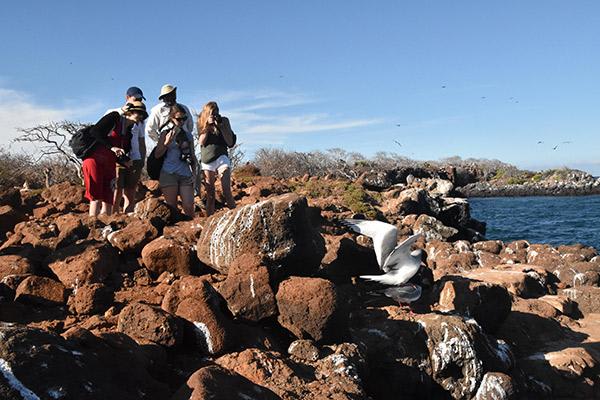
[546, 219]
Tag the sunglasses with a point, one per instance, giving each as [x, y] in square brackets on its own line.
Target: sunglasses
[181, 119]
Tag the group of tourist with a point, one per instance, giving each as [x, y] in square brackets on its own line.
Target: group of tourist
[113, 167]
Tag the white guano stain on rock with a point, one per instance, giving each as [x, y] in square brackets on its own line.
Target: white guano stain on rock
[203, 335]
[15, 383]
[491, 389]
[252, 286]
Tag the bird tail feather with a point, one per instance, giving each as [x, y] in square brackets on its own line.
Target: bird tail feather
[376, 278]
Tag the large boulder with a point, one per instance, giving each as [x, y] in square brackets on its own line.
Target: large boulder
[168, 254]
[433, 229]
[488, 303]
[145, 322]
[71, 228]
[156, 211]
[311, 308]
[91, 299]
[78, 366]
[64, 196]
[247, 290]
[42, 291]
[521, 280]
[196, 301]
[86, 262]
[133, 237]
[278, 230]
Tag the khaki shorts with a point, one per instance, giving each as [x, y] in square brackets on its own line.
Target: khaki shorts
[166, 179]
[129, 177]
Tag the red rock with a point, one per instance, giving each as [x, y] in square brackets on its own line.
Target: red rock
[518, 245]
[211, 331]
[487, 260]
[40, 235]
[583, 252]
[438, 251]
[345, 259]
[522, 280]
[455, 264]
[156, 211]
[142, 321]
[133, 237]
[10, 197]
[433, 229]
[247, 290]
[87, 262]
[488, 303]
[83, 366]
[64, 195]
[168, 255]
[91, 299]
[511, 256]
[278, 230]
[305, 350]
[215, 382]
[71, 228]
[9, 217]
[310, 308]
[185, 287]
[15, 265]
[41, 291]
[586, 297]
[188, 231]
[490, 246]
[578, 274]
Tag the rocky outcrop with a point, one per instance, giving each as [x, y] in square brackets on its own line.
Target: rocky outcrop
[278, 230]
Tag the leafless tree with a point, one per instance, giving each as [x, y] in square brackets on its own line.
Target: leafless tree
[236, 155]
[52, 143]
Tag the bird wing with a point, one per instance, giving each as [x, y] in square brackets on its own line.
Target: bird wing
[404, 294]
[384, 236]
[401, 256]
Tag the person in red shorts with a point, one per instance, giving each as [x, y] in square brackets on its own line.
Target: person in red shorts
[112, 134]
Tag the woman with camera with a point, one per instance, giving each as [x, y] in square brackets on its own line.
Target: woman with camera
[112, 135]
[179, 166]
[216, 137]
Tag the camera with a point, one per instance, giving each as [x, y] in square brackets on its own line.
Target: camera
[123, 159]
[167, 127]
[217, 118]
[186, 152]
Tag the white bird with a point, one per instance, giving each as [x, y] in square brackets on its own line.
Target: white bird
[397, 261]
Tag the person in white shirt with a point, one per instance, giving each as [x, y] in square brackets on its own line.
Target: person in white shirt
[128, 177]
[159, 115]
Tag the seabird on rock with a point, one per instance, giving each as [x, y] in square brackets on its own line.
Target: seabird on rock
[397, 261]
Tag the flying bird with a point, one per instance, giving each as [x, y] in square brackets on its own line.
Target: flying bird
[443, 86]
[539, 142]
[397, 261]
[555, 147]
[398, 143]
[398, 125]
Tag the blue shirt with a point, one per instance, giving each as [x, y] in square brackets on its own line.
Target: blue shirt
[173, 164]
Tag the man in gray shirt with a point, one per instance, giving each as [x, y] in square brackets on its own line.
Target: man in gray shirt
[159, 115]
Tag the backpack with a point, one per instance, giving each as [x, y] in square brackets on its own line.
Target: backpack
[82, 142]
[154, 165]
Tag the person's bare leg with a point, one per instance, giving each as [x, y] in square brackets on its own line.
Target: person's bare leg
[186, 193]
[94, 208]
[106, 208]
[129, 203]
[170, 195]
[117, 199]
[226, 187]
[209, 181]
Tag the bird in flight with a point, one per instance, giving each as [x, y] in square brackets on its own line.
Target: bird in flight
[555, 147]
[539, 142]
[398, 143]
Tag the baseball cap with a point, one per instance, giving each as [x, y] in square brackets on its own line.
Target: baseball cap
[136, 92]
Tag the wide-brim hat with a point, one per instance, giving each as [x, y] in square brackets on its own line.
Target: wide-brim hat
[136, 106]
[166, 89]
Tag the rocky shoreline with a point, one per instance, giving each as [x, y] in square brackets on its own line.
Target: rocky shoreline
[263, 301]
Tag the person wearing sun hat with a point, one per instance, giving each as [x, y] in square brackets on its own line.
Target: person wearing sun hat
[159, 115]
[128, 177]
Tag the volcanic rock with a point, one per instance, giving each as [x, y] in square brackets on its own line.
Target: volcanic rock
[156, 211]
[145, 322]
[278, 230]
[310, 308]
[91, 299]
[168, 255]
[41, 291]
[247, 290]
[15, 265]
[86, 262]
[215, 382]
[64, 195]
[433, 229]
[133, 237]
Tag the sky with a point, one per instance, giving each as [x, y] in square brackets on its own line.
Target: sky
[424, 79]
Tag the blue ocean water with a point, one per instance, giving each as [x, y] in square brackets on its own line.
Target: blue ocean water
[553, 220]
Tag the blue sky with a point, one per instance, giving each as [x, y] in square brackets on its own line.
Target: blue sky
[467, 78]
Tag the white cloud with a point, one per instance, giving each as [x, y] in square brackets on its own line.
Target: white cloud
[20, 110]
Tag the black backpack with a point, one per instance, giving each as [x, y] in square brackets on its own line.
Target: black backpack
[82, 142]
[154, 165]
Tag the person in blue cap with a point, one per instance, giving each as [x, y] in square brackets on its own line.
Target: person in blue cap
[128, 176]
